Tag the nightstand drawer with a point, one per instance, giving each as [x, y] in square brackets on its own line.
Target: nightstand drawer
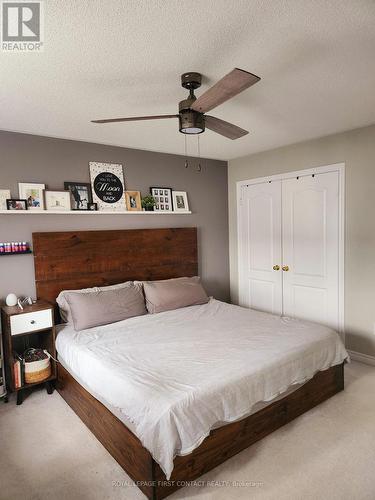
[29, 322]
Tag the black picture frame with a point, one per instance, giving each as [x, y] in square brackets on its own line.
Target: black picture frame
[80, 194]
[161, 194]
[11, 201]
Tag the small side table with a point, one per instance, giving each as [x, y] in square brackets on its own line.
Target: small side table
[32, 326]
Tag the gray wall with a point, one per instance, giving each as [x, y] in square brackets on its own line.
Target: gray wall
[357, 149]
[28, 158]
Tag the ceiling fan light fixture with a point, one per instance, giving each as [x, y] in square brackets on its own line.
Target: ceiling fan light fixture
[191, 122]
[191, 130]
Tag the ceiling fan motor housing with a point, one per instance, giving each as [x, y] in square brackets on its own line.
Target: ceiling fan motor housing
[191, 122]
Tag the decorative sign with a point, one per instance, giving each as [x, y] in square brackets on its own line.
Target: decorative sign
[108, 186]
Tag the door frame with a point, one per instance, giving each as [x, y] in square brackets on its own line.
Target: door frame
[336, 167]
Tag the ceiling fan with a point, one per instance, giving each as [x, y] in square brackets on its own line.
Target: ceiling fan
[192, 111]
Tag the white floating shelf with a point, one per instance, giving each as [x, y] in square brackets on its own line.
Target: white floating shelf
[85, 212]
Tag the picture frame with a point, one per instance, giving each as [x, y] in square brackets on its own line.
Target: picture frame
[16, 204]
[57, 200]
[33, 193]
[80, 194]
[4, 196]
[133, 201]
[92, 207]
[180, 201]
[108, 186]
[163, 198]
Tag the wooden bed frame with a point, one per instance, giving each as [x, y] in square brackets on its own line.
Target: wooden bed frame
[73, 260]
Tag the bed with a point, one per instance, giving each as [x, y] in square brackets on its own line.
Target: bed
[178, 392]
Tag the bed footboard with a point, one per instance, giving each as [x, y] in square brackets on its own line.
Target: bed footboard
[220, 445]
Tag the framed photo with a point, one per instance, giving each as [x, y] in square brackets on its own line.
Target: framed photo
[4, 196]
[93, 207]
[16, 204]
[180, 201]
[33, 193]
[108, 186]
[133, 201]
[80, 194]
[57, 200]
[163, 198]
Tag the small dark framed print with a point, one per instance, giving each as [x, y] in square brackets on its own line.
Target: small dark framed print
[92, 206]
[163, 198]
[80, 195]
[16, 204]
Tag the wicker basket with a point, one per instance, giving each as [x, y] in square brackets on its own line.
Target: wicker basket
[39, 376]
[37, 371]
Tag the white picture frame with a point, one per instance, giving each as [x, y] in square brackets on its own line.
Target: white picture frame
[4, 196]
[108, 186]
[180, 201]
[33, 194]
[57, 200]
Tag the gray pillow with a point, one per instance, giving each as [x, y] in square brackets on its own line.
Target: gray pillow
[65, 314]
[165, 295]
[102, 307]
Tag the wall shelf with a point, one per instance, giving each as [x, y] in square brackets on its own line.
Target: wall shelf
[3, 254]
[85, 212]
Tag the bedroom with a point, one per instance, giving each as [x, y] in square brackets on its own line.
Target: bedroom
[168, 387]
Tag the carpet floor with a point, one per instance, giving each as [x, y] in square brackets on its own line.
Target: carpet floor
[46, 452]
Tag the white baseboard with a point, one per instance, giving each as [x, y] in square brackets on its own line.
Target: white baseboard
[362, 358]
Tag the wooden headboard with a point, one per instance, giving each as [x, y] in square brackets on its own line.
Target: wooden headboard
[80, 259]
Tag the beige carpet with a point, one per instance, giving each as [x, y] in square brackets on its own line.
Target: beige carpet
[46, 452]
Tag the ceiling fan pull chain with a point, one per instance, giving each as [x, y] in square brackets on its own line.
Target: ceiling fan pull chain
[199, 167]
[186, 161]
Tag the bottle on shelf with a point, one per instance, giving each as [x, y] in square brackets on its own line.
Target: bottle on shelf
[15, 247]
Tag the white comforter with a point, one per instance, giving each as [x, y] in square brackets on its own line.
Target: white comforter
[177, 374]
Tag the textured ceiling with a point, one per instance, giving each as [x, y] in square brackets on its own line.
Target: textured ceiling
[110, 58]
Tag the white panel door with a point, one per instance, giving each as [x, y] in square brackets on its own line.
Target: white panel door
[310, 227]
[260, 247]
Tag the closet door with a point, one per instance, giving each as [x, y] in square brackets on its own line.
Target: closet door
[260, 275]
[311, 248]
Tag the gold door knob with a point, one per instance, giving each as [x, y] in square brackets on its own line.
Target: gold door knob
[276, 268]
[285, 268]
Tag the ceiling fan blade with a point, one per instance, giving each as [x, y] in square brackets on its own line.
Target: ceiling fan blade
[134, 118]
[224, 128]
[232, 84]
